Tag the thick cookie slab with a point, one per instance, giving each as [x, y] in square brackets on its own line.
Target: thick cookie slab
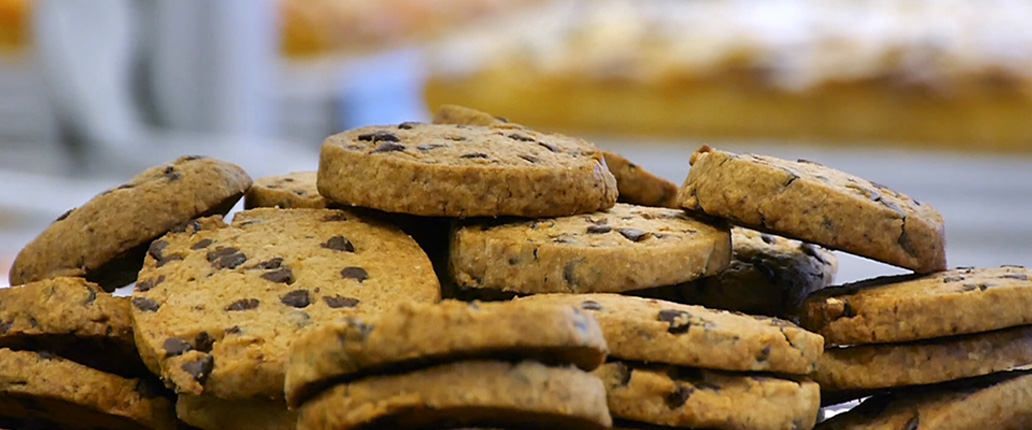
[931, 361]
[621, 249]
[217, 306]
[412, 335]
[768, 275]
[72, 318]
[997, 401]
[655, 331]
[293, 190]
[459, 171]
[42, 390]
[210, 413]
[695, 398]
[472, 393]
[905, 308]
[810, 202]
[104, 240]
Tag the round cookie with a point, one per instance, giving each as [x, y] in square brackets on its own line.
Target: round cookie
[813, 203]
[293, 190]
[210, 413]
[461, 115]
[904, 308]
[104, 240]
[42, 390]
[695, 398]
[459, 171]
[868, 367]
[621, 249]
[473, 393]
[412, 335]
[655, 331]
[768, 275]
[217, 306]
[998, 401]
[74, 319]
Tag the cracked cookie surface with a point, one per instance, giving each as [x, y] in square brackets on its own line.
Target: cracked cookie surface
[621, 249]
[810, 202]
[656, 331]
[293, 190]
[905, 308]
[217, 305]
[464, 171]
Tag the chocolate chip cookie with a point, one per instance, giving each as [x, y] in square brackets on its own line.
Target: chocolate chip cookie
[217, 305]
[460, 171]
[807, 201]
[621, 249]
[104, 240]
[655, 331]
[472, 393]
[695, 398]
[211, 413]
[41, 390]
[293, 190]
[867, 367]
[904, 308]
[412, 335]
[997, 401]
[768, 275]
[72, 318]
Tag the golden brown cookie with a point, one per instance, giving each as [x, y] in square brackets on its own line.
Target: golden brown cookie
[218, 305]
[412, 335]
[904, 308]
[211, 413]
[293, 190]
[621, 249]
[807, 201]
[104, 240]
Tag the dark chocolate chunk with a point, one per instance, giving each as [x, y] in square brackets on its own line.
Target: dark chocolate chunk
[474, 155]
[407, 125]
[551, 147]
[171, 174]
[65, 215]
[297, 299]
[599, 229]
[388, 147]
[168, 259]
[147, 285]
[633, 234]
[529, 158]
[949, 279]
[337, 302]
[678, 397]
[678, 320]
[226, 258]
[339, 243]
[847, 310]
[1013, 266]
[193, 157]
[455, 138]
[93, 294]
[203, 342]
[272, 263]
[768, 239]
[243, 305]
[379, 136]
[764, 354]
[1018, 276]
[591, 305]
[146, 305]
[201, 244]
[200, 369]
[174, 346]
[282, 275]
[353, 272]
[233, 330]
[193, 226]
[429, 146]
[156, 249]
[522, 138]
[625, 373]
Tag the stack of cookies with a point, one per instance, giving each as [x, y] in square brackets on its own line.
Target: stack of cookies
[455, 364]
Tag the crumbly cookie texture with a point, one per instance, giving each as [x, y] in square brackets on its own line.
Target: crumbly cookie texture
[412, 335]
[104, 240]
[43, 389]
[621, 249]
[807, 201]
[1003, 399]
[904, 308]
[217, 306]
[292, 190]
[695, 398]
[656, 331]
[768, 275]
[464, 171]
[867, 367]
[211, 413]
[72, 318]
[472, 393]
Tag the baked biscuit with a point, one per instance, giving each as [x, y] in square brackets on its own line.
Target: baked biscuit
[293, 190]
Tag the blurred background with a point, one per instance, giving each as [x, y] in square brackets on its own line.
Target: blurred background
[933, 98]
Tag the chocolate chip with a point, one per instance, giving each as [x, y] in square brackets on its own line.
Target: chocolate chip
[297, 299]
[174, 346]
[189, 225]
[913, 423]
[966, 268]
[201, 244]
[65, 215]
[339, 243]
[273, 263]
[388, 147]
[801, 160]
[529, 158]
[522, 138]
[337, 302]
[156, 248]
[768, 239]
[599, 229]
[474, 155]
[226, 258]
[171, 174]
[48, 355]
[633, 234]
[625, 373]
[193, 157]
[1018, 276]
[203, 342]
[428, 147]
[968, 287]
[233, 330]
[379, 136]
[893, 206]
[455, 138]
[93, 295]
[551, 147]
[243, 305]
[407, 125]
[200, 369]
[950, 279]
[677, 319]
[147, 285]
[847, 310]
[353, 272]
[282, 275]
[1013, 266]
[146, 305]
[591, 305]
[763, 355]
[5, 326]
[168, 259]
[678, 397]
